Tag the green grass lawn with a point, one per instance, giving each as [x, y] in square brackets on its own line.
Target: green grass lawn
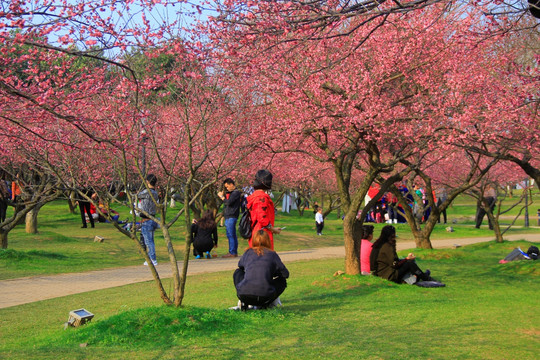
[487, 311]
[62, 246]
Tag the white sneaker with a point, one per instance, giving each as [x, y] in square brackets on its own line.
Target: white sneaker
[237, 307]
[275, 303]
[153, 262]
[410, 279]
[145, 263]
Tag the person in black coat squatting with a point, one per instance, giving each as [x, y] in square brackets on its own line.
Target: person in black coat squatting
[204, 235]
[261, 276]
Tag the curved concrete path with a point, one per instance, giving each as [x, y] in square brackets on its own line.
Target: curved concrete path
[25, 290]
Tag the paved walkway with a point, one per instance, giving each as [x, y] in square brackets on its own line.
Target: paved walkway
[26, 290]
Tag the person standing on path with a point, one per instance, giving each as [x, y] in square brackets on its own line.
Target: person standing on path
[484, 204]
[262, 207]
[232, 199]
[148, 199]
[319, 221]
[442, 196]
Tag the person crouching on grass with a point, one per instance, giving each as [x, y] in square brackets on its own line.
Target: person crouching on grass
[261, 276]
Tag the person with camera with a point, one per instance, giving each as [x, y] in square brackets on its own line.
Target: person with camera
[232, 199]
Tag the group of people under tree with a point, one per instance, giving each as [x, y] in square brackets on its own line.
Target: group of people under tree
[381, 259]
[261, 276]
[389, 210]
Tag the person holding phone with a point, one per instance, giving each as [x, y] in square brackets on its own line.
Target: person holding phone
[232, 200]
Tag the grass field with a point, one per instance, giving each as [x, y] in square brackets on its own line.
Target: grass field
[62, 246]
[487, 311]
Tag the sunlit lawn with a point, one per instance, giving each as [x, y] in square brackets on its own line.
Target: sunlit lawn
[486, 311]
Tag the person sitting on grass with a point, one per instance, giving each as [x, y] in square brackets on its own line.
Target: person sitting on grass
[385, 263]
[204, 235]
[261, 275]
[365, 249]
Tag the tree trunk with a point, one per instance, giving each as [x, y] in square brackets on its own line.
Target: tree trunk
[187, 249]
[351, 239]
[301, 209]
[494, 224]
[32, 220]
[421, 237]
[71, 202]
[498, 232]
[174, 263]
[196, 211]
[4, 238]
[18, 209]
[155, 275]
[422, 240]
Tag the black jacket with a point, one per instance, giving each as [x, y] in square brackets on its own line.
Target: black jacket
[259, 272]
[232, 203]
[203, 239]
[385, 262]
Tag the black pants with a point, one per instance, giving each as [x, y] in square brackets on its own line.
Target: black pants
[279, 283]
[392, 212]
[200, 247]
[3, 210]
[443, 213]
[319, 227]
[85, 206]
[480, 212]
[410, 267]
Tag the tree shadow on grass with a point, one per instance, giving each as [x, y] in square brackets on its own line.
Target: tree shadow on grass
[14, 255]
[342, 291]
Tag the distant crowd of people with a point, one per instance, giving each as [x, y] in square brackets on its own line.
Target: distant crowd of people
[389, 210]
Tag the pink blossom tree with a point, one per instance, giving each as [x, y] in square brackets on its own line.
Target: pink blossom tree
[366, 109]
[104, 119]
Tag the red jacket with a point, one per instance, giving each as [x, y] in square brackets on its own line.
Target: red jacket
[262, 212]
